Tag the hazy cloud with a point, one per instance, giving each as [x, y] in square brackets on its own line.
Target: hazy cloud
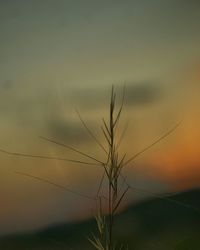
[143, 93]
[69, 131]
[6, 85]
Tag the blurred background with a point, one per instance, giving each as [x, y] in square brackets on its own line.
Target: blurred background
[57, 57]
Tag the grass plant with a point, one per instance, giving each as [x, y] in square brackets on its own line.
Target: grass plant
[107, 204]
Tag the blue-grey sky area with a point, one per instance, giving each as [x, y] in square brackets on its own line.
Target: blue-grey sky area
[58, 56]
[95, 42]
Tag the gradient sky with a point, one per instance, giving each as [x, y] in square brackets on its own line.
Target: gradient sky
[56, 56]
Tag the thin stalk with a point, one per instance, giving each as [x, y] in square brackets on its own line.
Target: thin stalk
[55, 185]
[47, 157]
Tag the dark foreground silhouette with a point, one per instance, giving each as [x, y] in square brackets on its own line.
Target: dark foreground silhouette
[155, 224]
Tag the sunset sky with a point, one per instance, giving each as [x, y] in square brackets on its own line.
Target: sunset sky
[57, 56]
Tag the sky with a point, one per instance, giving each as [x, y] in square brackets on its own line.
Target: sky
[60, 56]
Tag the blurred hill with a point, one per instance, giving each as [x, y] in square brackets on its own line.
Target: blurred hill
[156, 224]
